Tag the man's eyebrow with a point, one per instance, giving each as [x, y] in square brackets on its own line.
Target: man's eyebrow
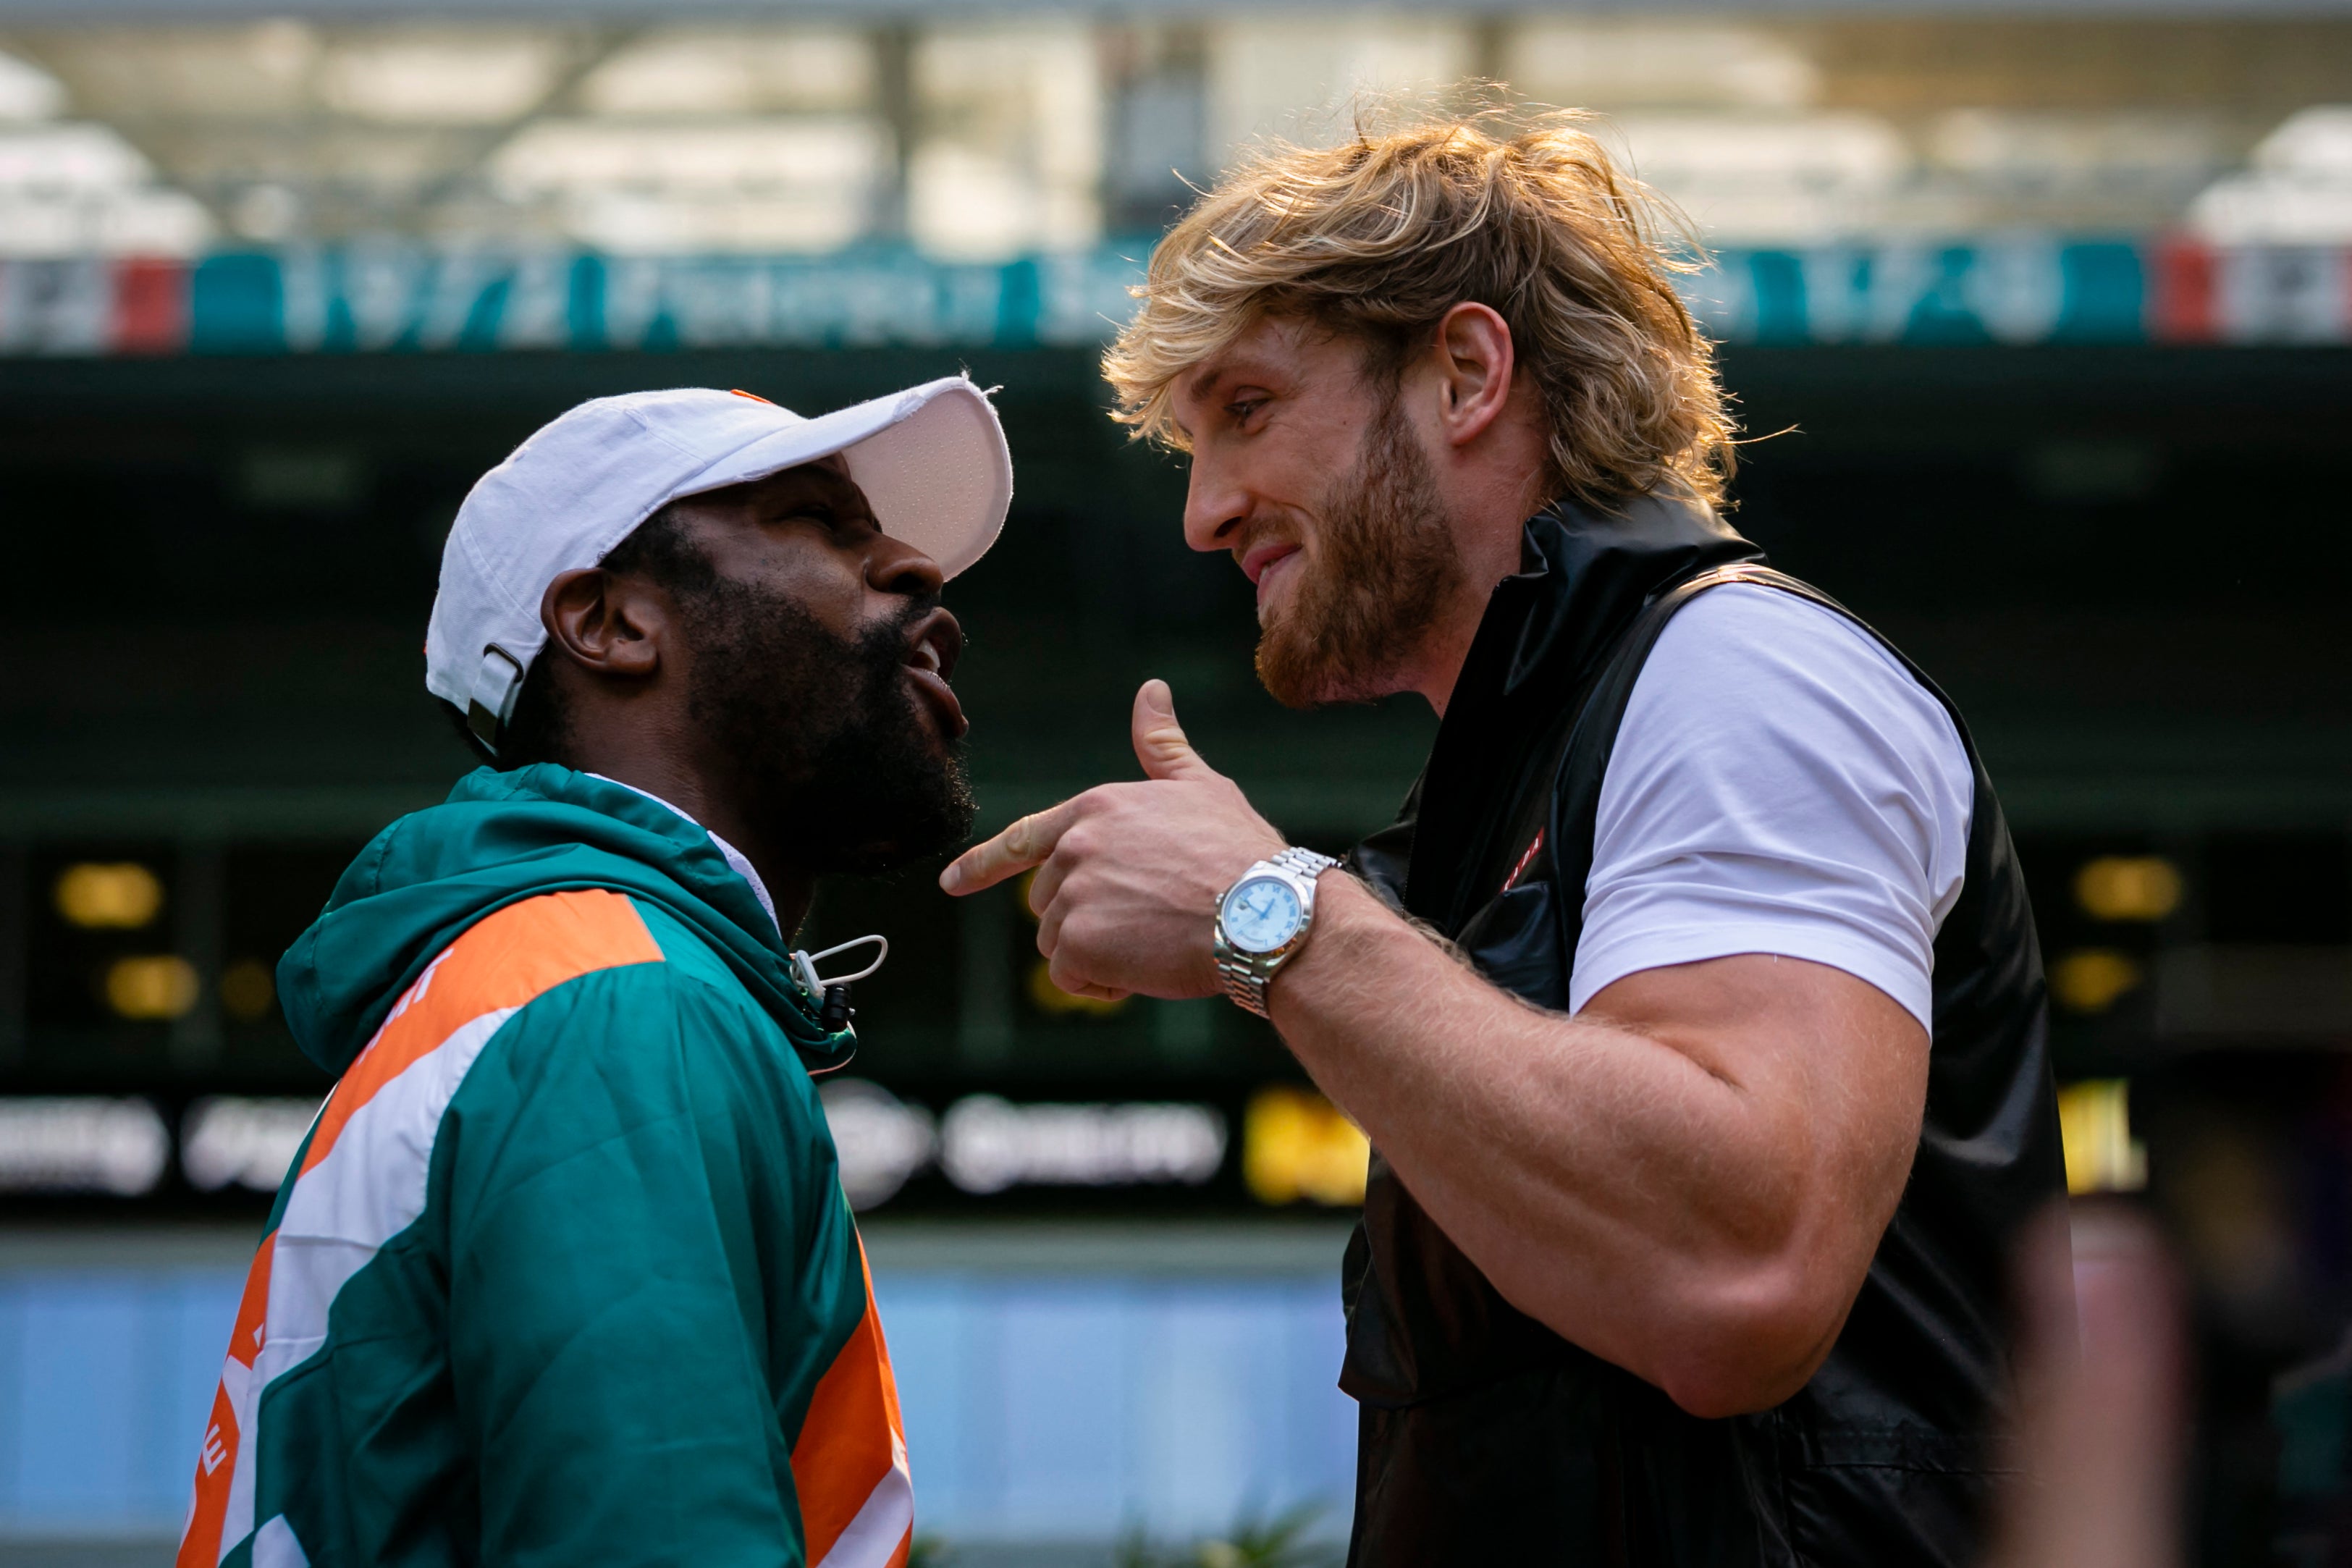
[1196, 382]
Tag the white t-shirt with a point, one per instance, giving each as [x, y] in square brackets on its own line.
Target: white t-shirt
[1781, 785]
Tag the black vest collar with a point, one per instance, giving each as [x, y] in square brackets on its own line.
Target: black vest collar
[1547, 631]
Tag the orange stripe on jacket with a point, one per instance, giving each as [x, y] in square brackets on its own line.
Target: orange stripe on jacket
[200, 1544]
[851, 1437]
[503, 960]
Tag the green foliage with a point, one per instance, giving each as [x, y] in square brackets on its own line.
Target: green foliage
[931, 1552]
[1253, 1542]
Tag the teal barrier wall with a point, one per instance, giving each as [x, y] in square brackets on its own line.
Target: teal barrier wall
[406, 298]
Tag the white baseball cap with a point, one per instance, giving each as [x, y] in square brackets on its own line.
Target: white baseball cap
[932, 460]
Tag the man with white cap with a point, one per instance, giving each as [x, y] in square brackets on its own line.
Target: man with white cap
[563, 1272]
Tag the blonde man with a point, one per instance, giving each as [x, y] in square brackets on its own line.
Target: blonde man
[1702, 1135]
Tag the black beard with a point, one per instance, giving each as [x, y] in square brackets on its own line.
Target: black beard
[822, 734]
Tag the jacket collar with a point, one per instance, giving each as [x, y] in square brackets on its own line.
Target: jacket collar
[1547, 631]
[1584, 576]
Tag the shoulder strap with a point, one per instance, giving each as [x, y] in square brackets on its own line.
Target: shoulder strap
[1543, 840]
[1587, 743]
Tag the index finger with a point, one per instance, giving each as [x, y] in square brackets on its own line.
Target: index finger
[1028, 842]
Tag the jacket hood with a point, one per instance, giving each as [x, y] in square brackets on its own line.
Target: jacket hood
[498, 839]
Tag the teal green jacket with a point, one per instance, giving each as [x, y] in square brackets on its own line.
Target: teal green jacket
[564, 1273]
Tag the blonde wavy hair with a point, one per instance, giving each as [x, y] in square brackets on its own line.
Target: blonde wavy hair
[1377, 237]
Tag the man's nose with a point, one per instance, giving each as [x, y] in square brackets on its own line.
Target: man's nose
[895, 566]
[1214, 506]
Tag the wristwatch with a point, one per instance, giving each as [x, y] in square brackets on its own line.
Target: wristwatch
[1262, 920]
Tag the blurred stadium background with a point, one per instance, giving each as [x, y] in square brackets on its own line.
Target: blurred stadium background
[2053, 302]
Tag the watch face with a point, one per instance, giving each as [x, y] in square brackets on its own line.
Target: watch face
[1261, 914]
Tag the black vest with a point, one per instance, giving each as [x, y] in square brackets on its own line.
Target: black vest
[1487, 1440]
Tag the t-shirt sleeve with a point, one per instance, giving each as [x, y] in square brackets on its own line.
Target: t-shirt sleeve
[1781, 785]
[616, 1232]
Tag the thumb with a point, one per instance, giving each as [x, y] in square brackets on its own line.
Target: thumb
[1160, 742]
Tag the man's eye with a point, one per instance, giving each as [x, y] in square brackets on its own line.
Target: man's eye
[1243, 410]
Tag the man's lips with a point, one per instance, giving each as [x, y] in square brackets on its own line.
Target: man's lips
[1258, 557]
[1268, 565]
[931, 657]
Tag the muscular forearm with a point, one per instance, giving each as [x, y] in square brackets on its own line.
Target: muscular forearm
[1688, 1178]
[1643, 1196]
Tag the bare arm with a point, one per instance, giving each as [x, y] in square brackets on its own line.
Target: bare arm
[1688, 1178]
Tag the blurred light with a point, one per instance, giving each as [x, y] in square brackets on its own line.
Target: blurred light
[2095, 1125]
[266, 212]
[2251, 210]
[1295, 1144]
[2299, 191]
[440, 81]
[122, 896]
[778, 222]
[772, 185]
[987, 1144]
[2045, 149]
[300, 478]
[143, 223]
[81, 1145]
[28, 92]
[1684, 64]
[965, 203]
[1758, 179]
[249, 1142]
[282, 48]
[162, 986]
[1292, 76]
[2314, 142]
[77, 157]
[2091, 980]
[1051, 998]
[704, 72]
[81, 189]
[248, 989]
[1831, 152]
[880, 1139]
[1012, 152]
[2129, 888]
[2093, 472]
[554, 155]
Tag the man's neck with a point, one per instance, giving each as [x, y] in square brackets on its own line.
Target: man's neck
[714, 809]
[1492, 548]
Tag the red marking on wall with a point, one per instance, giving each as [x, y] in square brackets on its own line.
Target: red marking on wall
[1525, 860]
[2184, 293]
[151, 307]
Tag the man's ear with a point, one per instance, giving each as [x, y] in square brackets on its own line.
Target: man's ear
[606, 623]
[1474, 361]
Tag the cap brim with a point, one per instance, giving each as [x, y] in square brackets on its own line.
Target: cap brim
[932, 460]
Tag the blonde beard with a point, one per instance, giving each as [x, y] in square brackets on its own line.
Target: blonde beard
[1382, 567]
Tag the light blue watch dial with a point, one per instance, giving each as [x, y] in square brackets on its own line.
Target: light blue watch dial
[1261, 914]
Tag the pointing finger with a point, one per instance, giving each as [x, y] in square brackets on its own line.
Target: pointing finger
[1024, 844]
